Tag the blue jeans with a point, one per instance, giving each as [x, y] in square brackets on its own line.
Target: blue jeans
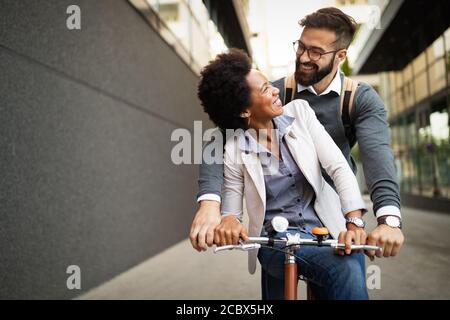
[330, 276]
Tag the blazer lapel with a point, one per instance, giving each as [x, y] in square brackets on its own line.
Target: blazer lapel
[254, 169]
[297, 143]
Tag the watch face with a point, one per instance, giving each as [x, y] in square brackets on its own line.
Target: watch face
[359, 223]
[393, 222]
[356, 221]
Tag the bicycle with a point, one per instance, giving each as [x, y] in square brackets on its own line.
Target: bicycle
[291, 243]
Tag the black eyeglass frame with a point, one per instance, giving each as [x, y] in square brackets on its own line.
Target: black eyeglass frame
[308, 50]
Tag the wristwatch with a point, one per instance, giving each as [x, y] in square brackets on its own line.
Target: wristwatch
[357, 221]
[391, 221]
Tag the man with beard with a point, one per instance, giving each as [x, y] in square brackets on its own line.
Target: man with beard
[323, 45]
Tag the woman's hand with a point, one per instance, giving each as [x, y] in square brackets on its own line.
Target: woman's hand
[229, 231]
[353, 235]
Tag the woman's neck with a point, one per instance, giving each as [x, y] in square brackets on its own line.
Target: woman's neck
[263, 129]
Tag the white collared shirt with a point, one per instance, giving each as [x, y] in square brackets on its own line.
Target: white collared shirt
[335, 85]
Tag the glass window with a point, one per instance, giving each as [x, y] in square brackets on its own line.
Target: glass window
[410, 97]
[398, 92]
[400, 105]
[154, 4]
[410, 156]
[424, 160]
[200, 44]
[200, 13]
[408, 88]
[421, 86]
[436, 50]
[447, 40]
[439, 123]
[437, 75]
[434, 151]
[169, 12]
[447, 48]
[186, 26]
[408, 73]
[419, 64]
[397, 155]
[398, 80]
[428, 157]
[216, 41]
[176, 15]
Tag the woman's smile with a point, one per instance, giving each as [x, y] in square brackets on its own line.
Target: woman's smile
[277, 104]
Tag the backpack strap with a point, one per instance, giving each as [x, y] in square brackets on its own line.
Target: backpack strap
[289, 88]
[349, 88]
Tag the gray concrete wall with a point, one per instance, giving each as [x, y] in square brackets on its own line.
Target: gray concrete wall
[85, 123]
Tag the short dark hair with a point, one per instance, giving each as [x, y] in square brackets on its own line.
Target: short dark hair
[334, 20]
[223, 89]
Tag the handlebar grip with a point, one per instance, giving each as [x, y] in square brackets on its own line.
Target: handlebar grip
[356, 247]
[242, 247]
[223, 248]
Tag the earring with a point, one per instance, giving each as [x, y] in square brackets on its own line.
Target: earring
[248, 122]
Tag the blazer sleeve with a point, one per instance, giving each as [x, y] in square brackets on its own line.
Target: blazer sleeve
[334, 163]
[233, 186]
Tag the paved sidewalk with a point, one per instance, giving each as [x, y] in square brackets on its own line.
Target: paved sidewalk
[420, 271]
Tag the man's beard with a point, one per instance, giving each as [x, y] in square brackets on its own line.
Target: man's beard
[309, 79]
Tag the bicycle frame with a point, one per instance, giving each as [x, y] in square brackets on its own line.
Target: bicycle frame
[290, 274]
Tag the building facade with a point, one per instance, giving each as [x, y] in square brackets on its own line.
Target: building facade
[409, 54]
[87, 115]
[417, 98]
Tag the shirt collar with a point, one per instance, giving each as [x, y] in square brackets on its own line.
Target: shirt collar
[335, 85]
[248, 143]
[282, 123]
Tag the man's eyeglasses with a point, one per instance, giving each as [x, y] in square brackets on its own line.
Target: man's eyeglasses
[313, 54]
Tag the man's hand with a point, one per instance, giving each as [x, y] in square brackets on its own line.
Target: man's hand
[205, 221]
[353, 235]
[229, 231]
[387, 238]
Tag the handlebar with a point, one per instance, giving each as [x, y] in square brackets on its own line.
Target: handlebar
[290, 240]
[280, 224]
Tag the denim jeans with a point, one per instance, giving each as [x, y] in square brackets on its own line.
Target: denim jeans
[330, 276]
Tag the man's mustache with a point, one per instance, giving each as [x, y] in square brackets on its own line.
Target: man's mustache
[307, 64]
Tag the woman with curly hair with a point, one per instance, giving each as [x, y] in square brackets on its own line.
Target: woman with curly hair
[274, 163]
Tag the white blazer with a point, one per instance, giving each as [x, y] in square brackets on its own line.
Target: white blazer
[310, 146]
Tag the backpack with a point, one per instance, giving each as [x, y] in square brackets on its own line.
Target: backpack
[346, 105]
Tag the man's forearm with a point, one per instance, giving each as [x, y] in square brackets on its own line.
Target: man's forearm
[210, 179]
[211, 175]
[372, 131]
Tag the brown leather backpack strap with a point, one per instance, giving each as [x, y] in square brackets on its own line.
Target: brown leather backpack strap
[349, 88]
[290, 86]
[353, 86]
